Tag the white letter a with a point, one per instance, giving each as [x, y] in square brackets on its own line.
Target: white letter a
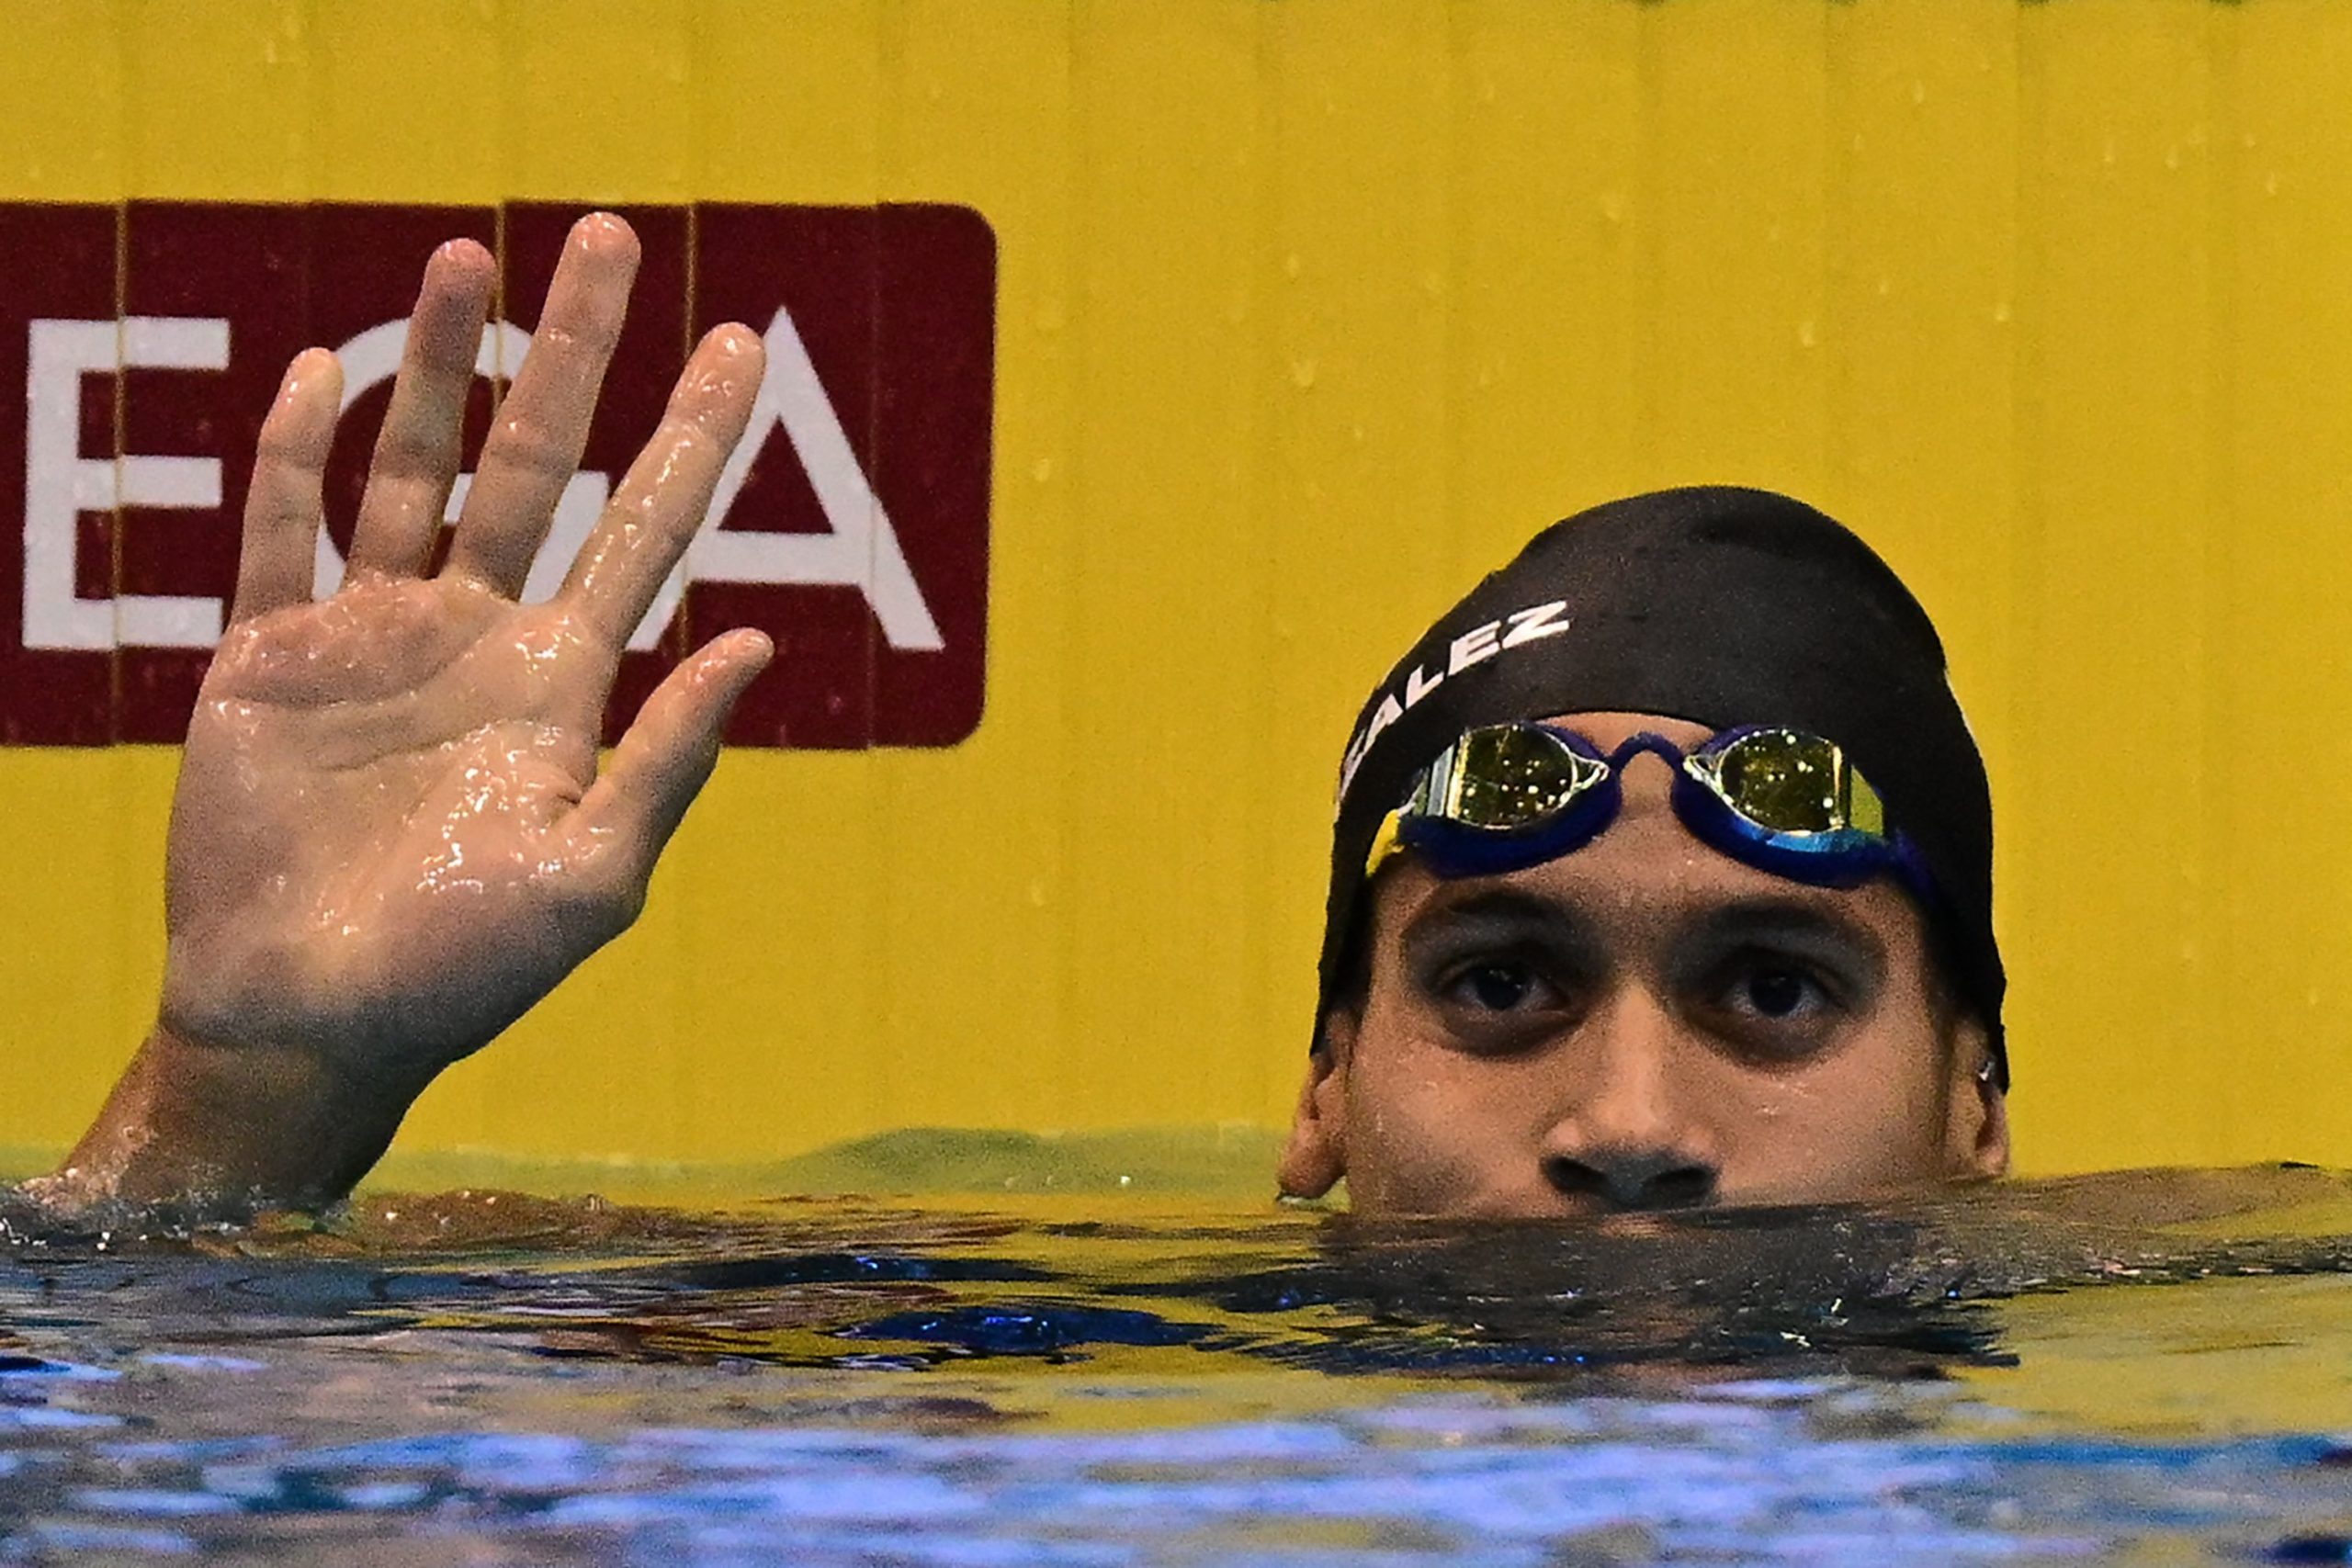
[862, 550]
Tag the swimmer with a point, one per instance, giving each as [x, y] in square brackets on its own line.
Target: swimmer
[1661, 876]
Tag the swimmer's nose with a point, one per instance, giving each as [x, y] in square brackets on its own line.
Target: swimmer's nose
[1633, 1179]
[1626, 1135]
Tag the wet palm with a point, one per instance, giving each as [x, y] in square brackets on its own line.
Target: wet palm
[378, 848]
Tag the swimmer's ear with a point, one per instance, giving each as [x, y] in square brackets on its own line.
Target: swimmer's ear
[1976, 1136]
[1316, 1157]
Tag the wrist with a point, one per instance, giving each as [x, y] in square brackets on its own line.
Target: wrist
[234, 1126]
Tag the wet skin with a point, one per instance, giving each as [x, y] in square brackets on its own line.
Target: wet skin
[1642, 1023]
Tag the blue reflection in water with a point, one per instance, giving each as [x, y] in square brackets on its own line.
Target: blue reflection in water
[1029, 1328]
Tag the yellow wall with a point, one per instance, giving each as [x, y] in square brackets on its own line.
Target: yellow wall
[1310, 310]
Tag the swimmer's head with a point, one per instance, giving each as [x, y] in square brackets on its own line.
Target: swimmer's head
[1786, 1024]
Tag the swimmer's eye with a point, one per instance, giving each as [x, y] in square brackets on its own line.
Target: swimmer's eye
[1785, 1002]
[1492, 1002]
[1497, 988]
[1777, 992]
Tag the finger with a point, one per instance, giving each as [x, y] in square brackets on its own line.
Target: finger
[535, 441]
[667, 490]
[283, 504]
[660, 764]
[416, 452]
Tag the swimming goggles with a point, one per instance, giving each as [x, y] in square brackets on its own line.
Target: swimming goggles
[1506, 797]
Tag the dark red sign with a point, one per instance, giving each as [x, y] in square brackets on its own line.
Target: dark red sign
[146, 340]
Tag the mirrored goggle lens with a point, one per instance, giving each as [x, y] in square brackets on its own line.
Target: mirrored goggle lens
[1510, 776]
[1789, 782]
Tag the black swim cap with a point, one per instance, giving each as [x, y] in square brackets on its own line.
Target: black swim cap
[1722, 606]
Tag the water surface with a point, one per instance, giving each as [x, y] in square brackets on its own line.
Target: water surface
[2145, 1368]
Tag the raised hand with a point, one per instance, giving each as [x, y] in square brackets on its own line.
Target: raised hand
[391, 837]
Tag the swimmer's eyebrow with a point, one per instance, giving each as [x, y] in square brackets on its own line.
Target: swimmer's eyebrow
[1499, 915]
[1793, 923]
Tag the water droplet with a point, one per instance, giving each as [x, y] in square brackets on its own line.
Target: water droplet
[1293, 264]
[1302, 371]
[1808, 336]
[1042, 470]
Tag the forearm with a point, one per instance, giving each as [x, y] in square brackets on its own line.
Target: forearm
[229, 1129]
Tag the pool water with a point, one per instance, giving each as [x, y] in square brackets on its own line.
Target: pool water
[2150, 1368]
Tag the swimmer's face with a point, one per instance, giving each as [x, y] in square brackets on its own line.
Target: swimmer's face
[1642, 1023]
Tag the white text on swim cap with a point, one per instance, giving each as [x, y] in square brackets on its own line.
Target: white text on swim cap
[1476, 645]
